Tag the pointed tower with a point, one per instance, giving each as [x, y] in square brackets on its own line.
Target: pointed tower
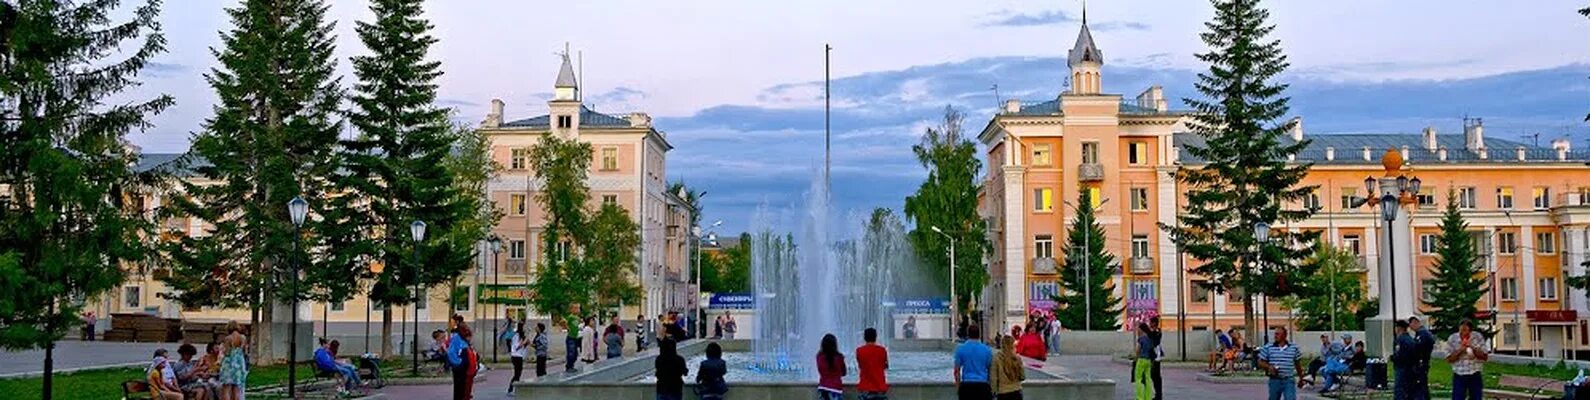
[1085, 61]
[565, 104]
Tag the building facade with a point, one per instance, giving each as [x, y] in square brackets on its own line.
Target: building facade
[1528, 207]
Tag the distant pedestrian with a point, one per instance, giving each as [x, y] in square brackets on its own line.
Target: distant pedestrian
[613, 337]
[464, 360]
[516, 353]
[641, 332]
[571, 341]
[1142, 365]
[910, 327]
[671, 371]
[1404, 361]
[540, 344]
[1054, 335]
[589, 341]
[1467, 352]
[234, 365]
[1158, 337]
[729, 326]
[872, 360]
[1423, 347]
[1279, 360]
[710, 384]
[972, 362]
[1007, 371]
[830, 370]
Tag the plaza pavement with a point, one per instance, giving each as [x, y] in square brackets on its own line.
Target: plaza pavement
[73, 355]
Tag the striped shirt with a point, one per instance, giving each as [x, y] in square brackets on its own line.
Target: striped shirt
[1283, 358]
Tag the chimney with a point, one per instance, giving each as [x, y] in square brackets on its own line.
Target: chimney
[1405, 154]
[1474, 134]
[1297, 129]
[1562, 146]
[1153, 99]
[1330, 154]
[1368, 155]
[639, 120]
[1012, 106]
[1429, 138]
[1175, 154]
[1521, 153]
[1441, 154]
[494, 118]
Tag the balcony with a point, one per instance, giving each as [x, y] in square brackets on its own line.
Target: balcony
[1142, 265]
[1090, 172]
[515, 266]
[1044, 266]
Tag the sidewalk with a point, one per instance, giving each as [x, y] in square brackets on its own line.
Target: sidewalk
[1183, 383]
[72, 354]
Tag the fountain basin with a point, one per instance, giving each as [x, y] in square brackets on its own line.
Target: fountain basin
[630, 378]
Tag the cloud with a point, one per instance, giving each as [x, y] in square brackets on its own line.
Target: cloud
[1049, 17]
[457, 103]
[163, 70]
[1119, 26]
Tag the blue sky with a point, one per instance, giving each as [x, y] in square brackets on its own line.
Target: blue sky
[737, 85]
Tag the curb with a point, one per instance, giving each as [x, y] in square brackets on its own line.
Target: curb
[1243, 380]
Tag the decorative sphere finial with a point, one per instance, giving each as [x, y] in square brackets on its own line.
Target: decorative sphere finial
[1392, 161]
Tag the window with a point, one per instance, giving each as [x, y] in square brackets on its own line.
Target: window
[1043, 246]
[516, 249]
[1504, 197]
[1311, 201]
[1426, 197]
[1095, 197]
[1138, 154]
[1468, 198]
[1427, 243]
[1139, 199]
[1090, 152]
[1482, 242]
[565, 121]
[1347, 199]
[424, 297]
[1546, 243]
[609, 158]
[1040, 155]
[1506, 242]
[1510, 333]
[1353, 244]
[516, 204]
[1548, 288]
[1200, 291]
[1583, 196]
[1139, 246]
[520, 158]
[563, 251]
[1542, 197]
[338, 306]
[1510, 289]
[462, 304]
[1425, 286]
[1043, 200]
[609, 199]
[132, 297]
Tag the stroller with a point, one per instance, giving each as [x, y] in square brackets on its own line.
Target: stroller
[370, 371]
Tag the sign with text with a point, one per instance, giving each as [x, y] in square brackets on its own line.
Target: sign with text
[1041, 296]
[504, 294]
[1551, 315]
[732, 301]
[922, 306]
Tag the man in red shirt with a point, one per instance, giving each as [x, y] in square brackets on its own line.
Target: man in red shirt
[872, 359]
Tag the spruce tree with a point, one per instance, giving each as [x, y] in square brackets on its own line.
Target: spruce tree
[1244, 177]
[399, 168]
[1085, 279]
[68, 219]
[272, 138]
[1459, 279]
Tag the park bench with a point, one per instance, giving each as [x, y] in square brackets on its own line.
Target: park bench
[1536, 388]
[135, 389]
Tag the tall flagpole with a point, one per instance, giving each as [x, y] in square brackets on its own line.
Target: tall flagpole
[827, 131]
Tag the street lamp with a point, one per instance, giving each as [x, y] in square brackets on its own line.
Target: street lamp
[1087, 272]
[701, 323]
[369, 304]
[495, 244]
[953, 298]
[297, 208]
[1261, 234]
[1399, 190]
[417, 232]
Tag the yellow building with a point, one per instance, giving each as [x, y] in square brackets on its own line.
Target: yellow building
[1528, 206]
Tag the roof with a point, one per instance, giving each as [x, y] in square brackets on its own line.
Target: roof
[588, 119]
[566, 75]
[1349, 149]
[179, 164]
[1052, 108]
[1085, 49]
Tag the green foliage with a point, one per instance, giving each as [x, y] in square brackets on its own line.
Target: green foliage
[1328, 299]
[728, 270]
[1086, 277]
[614, 238]
[1246, 178]
[67, 226]
[1459, 279]
[947, 199]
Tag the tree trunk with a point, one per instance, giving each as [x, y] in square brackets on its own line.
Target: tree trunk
[49, 358]
[1247, 318]
[263, 354]
[386, 331]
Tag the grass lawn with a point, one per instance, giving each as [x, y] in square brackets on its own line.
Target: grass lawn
[106, 383]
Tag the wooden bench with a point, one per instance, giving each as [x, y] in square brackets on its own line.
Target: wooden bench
[135, 389]
[1536, 388]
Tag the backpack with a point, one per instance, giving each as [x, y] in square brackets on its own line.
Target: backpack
[471, 361]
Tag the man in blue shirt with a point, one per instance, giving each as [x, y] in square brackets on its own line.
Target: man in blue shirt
[326, 360]
[1279, 360]
[972, 359]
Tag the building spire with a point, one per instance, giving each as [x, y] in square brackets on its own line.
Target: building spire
[1084, 13]
[567, 87]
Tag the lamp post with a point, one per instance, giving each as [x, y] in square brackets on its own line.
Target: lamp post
[369, 304]
[297, 208]
[697, 300]
[953, 298]
[1397, 189]
[417, 232]
[1261, 234]
[1087, 272]
[495, 244]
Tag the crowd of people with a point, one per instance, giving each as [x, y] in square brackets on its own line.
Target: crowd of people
[219, 374]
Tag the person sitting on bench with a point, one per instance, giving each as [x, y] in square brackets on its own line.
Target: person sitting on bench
[325, 360]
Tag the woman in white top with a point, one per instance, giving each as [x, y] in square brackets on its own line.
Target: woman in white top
[588, 334]
[517, 352]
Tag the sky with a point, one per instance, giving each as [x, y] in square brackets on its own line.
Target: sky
[737, 85]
